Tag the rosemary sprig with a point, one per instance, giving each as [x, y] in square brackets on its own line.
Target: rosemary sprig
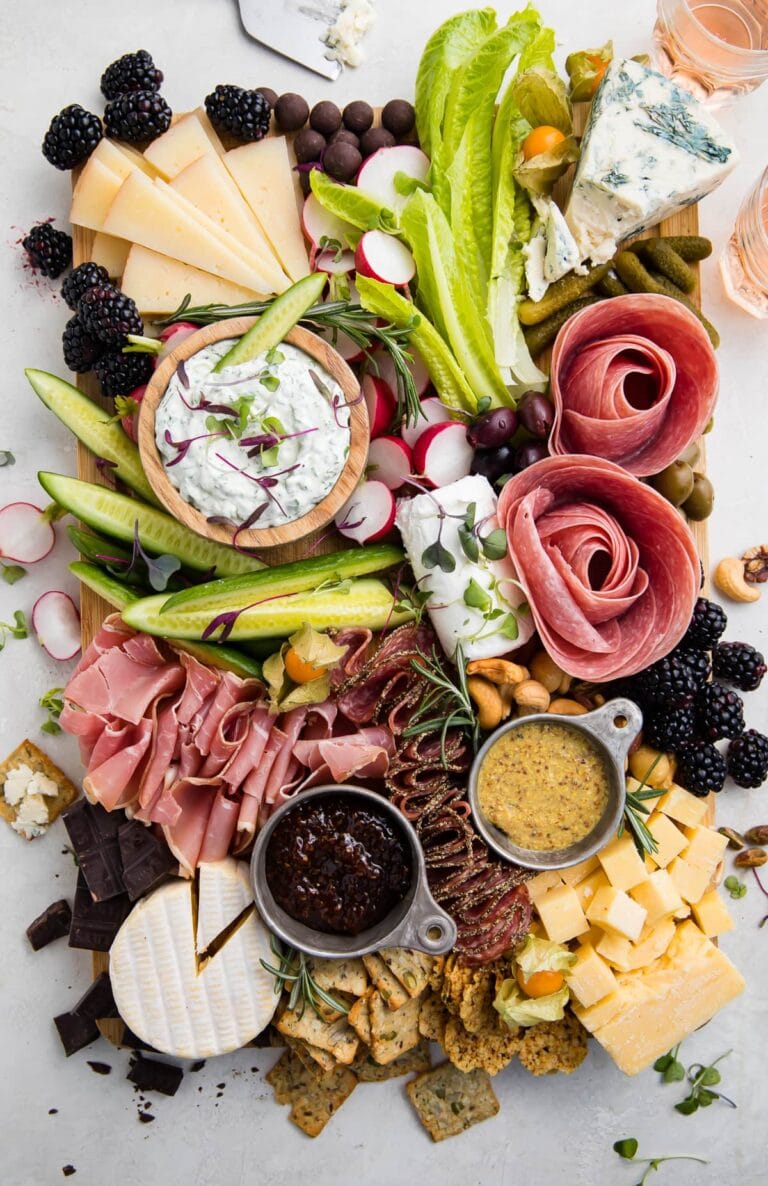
[635, 810]
[340, 317]
[293, 969]
[447, 706]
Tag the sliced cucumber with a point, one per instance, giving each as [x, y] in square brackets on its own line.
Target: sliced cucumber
[116, 514]
[91, 425]
[365, 602]
[281, 316]
[297, 577]
[120, 596]
[95, 547]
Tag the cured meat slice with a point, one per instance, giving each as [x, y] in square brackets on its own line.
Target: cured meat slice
[634, 381]
[609, 567]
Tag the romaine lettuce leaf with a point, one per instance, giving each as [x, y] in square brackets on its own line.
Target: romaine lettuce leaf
[445, 53]
[351, 204]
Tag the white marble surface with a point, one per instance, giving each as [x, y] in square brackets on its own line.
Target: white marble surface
[550, 1129]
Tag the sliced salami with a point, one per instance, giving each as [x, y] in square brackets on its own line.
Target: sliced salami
[634, 380]
[609, 567]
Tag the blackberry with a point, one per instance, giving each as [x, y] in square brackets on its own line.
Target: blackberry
[71, 137]
[120, 373]
[748, 759]
[707, 624]
[83, 277]
[670, 728]
[243, 114]
[668, 681]
[697, 661]
[700, 768]
[739, 664]
[719, 713]
[81, 350]
[132, 72]
[137, 116]
[49, 250]
[109, 314]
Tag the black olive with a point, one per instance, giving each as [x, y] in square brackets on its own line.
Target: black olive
[530, 453]
[358, 116]
[494, 463]
[325, 117]
[398, 117]
[308, 146]
[374, 139]
[536, 414]
[493, 428]
[291, 112]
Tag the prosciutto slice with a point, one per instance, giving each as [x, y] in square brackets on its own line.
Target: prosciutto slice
[634, 381]
[609, 567]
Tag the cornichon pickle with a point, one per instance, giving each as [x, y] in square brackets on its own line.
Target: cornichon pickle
[561, 293]
[611, 286]
[637, 278]
[689, 247]
[665, 259]
[539, 336]
[699, 503]
[675, 483]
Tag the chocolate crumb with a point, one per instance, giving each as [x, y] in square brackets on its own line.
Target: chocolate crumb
[221, 1086]
[198, 1066]
[53, 1111]
[100, 1068]
[146, 1117]
[68, 1170]
[152, 1075]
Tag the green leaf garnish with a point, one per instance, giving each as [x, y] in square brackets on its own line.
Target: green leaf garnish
[627, 1148]
[437, 556]
[16, 629]
[11, 573]
[494, 545]
[476, 597]
[271, 382]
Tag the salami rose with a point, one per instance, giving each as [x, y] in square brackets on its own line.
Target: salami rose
[634, 380]
[609, 567]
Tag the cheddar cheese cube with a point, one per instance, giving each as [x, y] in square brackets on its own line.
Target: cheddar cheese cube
[592, 936]
[622, 862]
[560, 911]
[712, 915]
[616, 950]
[705, 847]
[691, 881]
[590, 978]
[615, 911]
[586, 889]
[576, 873]
[682, 806]
[653, 942]
[604, 1011]
[657, 896]
[669, 839]
[539, 885]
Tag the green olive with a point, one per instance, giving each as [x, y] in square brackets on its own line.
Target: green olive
[692, 454]
[708, 426]
[675, 483]
[700, 502]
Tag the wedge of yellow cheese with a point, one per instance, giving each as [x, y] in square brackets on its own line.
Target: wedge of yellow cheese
[187, 139]
[110, 252]
[263, 173]
[159, 284]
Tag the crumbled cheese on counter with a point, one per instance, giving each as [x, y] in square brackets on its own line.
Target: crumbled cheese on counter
[344, 36]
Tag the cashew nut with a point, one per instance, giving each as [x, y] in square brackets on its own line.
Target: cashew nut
[498, 671]
[566, 707]
[487, 697]
[531, 696]
[651, 767]
[729, 578]
[547, 672]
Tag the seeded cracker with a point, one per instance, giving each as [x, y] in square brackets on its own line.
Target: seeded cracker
[412, 968]
[369, 1071]
[314, 1106]
[449, 1101]
[433, 1017]
[389, 987]
[360, 1019]
[489, 1052]
[337, 1038]
[319, 1062]
[554, 1046]
[393, 1031]
[28, 754]
[347, 975]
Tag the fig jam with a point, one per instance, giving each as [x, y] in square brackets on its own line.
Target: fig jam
[337, 865]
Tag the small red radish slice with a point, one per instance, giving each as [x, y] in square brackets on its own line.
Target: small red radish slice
[385, 258]
[380, 402]
[443, 454]
[56, 623]
[418, 370]
[173, 336]
[25, 536]
[319, 224]
[390, 461]
[334, 263]
[377, 175]
[369, 514]
[130, 423]
[433, 411]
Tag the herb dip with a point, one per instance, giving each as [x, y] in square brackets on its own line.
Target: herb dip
[275, 456]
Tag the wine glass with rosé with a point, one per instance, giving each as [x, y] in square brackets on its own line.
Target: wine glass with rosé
[744, 261]
[714, 48]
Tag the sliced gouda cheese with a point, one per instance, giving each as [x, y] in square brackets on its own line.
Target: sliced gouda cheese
[185, 141]
[657, 896]
[110, 252]
[682, 806]
[705, 847]
[95, 190]
[267, 182]
[690, 881]
[159, 284]
[615, 911]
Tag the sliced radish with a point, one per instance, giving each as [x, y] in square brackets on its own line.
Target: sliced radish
[25, 536]
[377, 175]
[56, 623]
[418, 370]
[433, 411]
[390, 461]
[173, 336]
[318, 224]
[333, 262]
[443, 454]
[129, 423]
[369, 514]
[385, 258]
[380, 402]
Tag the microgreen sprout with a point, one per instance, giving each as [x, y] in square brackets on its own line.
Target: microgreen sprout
[53, 703]
[702, 1079]
[11, 573]
[16, 629]
[735, 888]
[627, 1149]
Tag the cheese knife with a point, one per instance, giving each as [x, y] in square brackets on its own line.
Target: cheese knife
[294, 29]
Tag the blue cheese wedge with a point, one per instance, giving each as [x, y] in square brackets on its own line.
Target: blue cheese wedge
[551, 252]
[648, 150]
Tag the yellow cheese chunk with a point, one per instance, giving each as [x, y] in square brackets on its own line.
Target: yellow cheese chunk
[590, 978]
[159, 284]
[266, 180]
[622, 863]
[111, 253]
[185, 141]
[705, 847]
[561, 913]
[654, 1009]
[682, 806]
[669, 839]
[653, 942]
[586, 889]
[592, 936]
[712, 915]
[613, 910]
[541, 883]
[95, 190]
[576, 873]
[657, 896]
[690, 881]
[616, 949]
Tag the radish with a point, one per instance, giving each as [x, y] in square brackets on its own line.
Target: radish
[56, 623]
[369, 515]
[384, 258]
[329, 260]
[380, 402]
[377, 175]
[418, 370]
[443, 454]
[25, 536]
[390, 461]
[319, 224]
[433, 411]
[173, 336]
[130, 421]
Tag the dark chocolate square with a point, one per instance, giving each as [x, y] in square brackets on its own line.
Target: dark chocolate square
[149, 1074]
[95, 924]
[93, 832]
[75, 1032]
[146, 859]
[97, 1001]
[53, 923]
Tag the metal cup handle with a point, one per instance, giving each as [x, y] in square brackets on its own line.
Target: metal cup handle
[616, 724]
[426, 926]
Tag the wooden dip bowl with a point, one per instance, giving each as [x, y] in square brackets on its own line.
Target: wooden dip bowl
[322, 514]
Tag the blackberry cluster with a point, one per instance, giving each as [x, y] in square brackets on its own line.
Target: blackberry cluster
[697, 661]
[706, 626]
[81, 350]
[49, 250]
[748, 759]
[670, 728]
[71, 137]
[739, 664]
[243, 114]
[109, 315]
[137, 116]
[667, 682]
[719, 712]
[79, 280]
[130, 73]
[120, 373]
[701, 768]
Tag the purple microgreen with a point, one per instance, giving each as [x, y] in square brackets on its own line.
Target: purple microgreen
[337, 402]
[182, 376]
[103, 464]
[107, 559]
[226, 621]
[159, 568]
[205, 405]
[220, 521]
[347, 524]
[322, 387]
[184, 446]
